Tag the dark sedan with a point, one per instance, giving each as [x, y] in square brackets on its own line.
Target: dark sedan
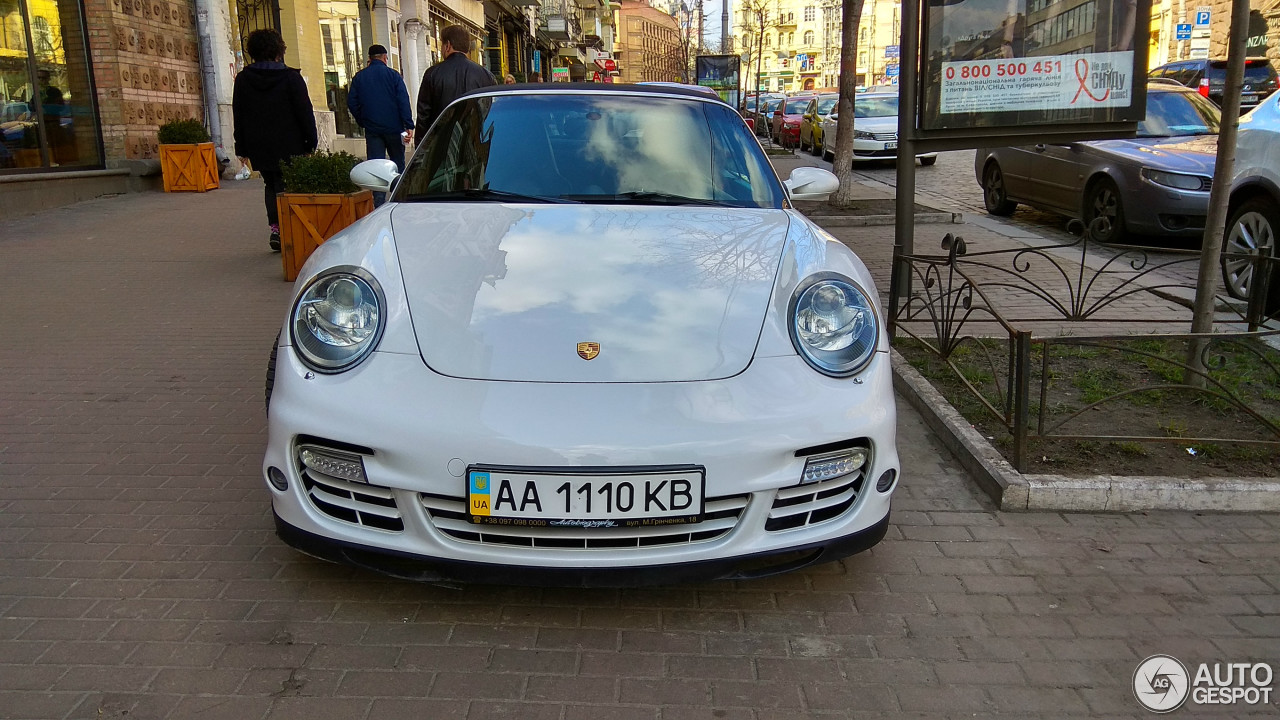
[1155, 184]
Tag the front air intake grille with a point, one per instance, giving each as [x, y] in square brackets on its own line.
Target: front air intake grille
[803, 505]
[369, 506]
[449, 515]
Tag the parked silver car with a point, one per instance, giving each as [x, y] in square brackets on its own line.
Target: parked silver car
[1155, 184]
[1254, 210]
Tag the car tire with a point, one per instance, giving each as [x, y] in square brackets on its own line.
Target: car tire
[271, 372]
[994, 196]
[816, 149]
[927, 161]
[1102, 200]
[1251, 230]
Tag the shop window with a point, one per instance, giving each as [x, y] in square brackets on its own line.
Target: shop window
[47, 107]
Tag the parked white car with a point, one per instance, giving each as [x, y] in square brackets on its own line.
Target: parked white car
[1254, 211]
[586, 340]
[875, 129]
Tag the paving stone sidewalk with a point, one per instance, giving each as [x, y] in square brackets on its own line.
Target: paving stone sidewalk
[140, 578]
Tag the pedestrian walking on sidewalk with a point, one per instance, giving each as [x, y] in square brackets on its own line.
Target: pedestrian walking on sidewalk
[379, 101]
[273, 117]
[448, 79]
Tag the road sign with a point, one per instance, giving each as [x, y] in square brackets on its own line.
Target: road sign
[1184, 31]
[891, 70]
[1202, 16]
[891, 51]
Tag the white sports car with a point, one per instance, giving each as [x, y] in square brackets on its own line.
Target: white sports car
[587, 340]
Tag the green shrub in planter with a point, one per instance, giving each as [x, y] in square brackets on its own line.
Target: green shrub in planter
[319, 173]
[183, 132]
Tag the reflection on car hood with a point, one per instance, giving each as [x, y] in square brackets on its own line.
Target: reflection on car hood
[506, 292]
[1188, 154]
[886, 124]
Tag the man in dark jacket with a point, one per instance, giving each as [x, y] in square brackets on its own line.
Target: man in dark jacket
[379, 102]
[273, 117]
[448, 79]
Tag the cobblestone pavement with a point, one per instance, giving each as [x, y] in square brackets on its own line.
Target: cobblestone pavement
[139, 576]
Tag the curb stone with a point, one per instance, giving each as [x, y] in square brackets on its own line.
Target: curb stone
[1015, 491]
[933, 218]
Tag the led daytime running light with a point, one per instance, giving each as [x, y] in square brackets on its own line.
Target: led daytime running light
[334, 464]
[818, 469]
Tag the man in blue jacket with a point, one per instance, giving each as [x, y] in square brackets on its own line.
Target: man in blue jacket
[379, 102]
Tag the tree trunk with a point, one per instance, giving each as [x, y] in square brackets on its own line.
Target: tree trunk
[843, 162]
[1214, 226]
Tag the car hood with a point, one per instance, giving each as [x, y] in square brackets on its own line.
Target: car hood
[508, 292]
[877, 125]
[1195, 154]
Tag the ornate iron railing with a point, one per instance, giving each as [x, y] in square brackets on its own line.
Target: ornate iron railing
[256, 15]
[1002, 321]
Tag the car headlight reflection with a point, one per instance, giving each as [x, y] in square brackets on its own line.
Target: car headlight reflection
[338, 319]
[834, 325]
[1177, 181]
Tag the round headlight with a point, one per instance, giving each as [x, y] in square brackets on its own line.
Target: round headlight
[834, 325]
[337, 319]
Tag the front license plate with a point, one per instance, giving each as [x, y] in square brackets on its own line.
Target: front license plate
[554, 498]
[891, 146]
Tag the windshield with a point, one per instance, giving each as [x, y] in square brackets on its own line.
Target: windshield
[872, 107]
[594, 147]
[826, 104]
[796, 106]
[1178, 113]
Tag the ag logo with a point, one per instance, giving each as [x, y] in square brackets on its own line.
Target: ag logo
[588, 350]
[1161, 683]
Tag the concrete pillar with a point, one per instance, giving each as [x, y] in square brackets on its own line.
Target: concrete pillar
[413, 50]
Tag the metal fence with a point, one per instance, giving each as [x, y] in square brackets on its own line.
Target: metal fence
[1003, 322]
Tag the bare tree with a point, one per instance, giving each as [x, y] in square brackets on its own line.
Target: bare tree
[843, 161]
[755, 23]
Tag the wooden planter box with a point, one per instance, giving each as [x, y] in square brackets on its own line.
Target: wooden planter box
[306, 221]
[189, 168]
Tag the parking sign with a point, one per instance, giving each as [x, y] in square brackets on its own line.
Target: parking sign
[1184, 31]
[1202, 16]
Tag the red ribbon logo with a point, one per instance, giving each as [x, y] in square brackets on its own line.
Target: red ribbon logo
[1082, 75]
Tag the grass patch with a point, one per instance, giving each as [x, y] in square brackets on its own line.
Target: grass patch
[1116, 396]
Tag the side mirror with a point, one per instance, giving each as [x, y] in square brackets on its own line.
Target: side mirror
[811, 183]
[375, 175]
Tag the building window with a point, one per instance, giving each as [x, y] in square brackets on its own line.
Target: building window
[810, 13]
[808, 38]
[46, 99]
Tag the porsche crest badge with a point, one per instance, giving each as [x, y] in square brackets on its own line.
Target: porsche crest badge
[588, 350]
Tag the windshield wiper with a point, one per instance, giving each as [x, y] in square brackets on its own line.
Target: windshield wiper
[484, 194]
[646, 197]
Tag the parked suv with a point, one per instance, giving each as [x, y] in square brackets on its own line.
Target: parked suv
[1208, 77]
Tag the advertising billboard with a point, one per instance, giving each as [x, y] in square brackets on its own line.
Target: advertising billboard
[720, 73]
[1014, 63]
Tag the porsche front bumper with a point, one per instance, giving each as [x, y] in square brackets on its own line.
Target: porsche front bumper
[417, 432]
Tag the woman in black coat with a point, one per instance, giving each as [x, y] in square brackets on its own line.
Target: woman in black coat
[273, 117]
